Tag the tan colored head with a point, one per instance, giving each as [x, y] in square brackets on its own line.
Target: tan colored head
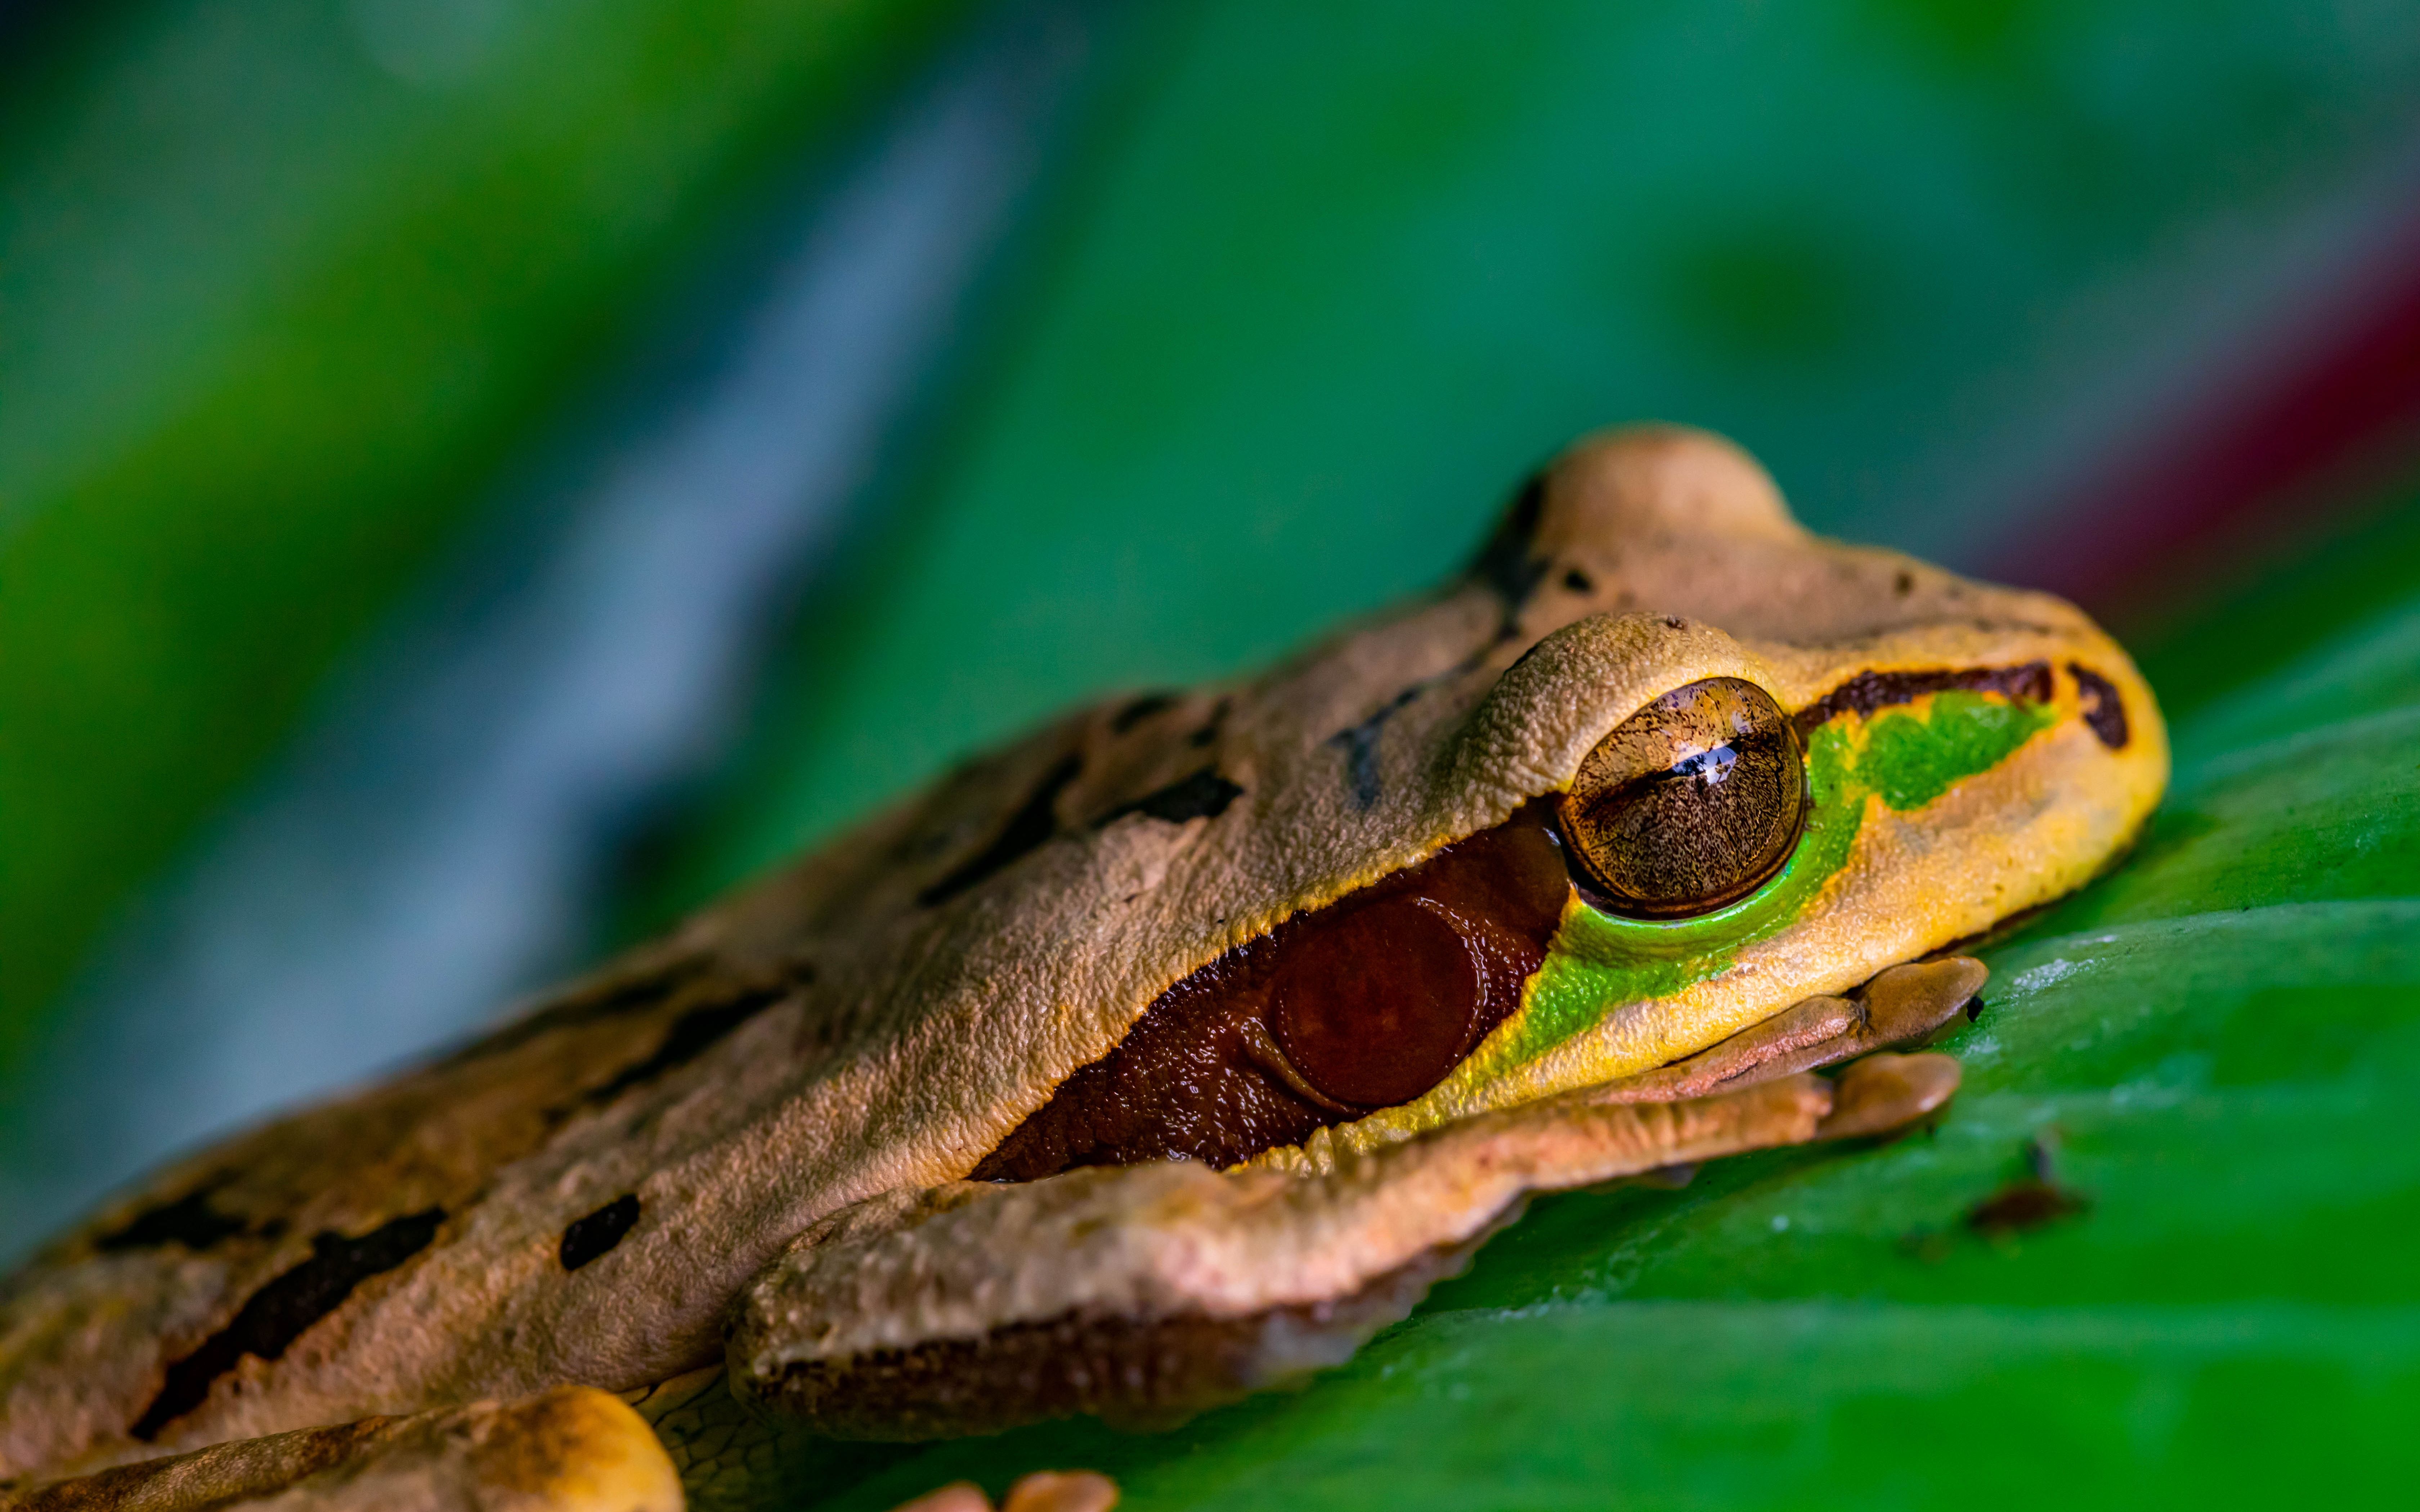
[1970, 753]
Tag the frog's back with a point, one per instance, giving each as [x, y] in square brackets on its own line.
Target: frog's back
[579, 1195]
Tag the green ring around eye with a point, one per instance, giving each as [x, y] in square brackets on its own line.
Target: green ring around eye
[1691, 804]
[1591, 934]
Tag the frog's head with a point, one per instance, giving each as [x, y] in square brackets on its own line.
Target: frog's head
[1660, 765]
[1775, 764]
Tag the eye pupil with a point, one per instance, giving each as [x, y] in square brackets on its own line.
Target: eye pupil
[1708, 767]
[1383, 1007]
[1691, 803]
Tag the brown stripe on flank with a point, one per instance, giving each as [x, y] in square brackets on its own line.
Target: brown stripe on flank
[277, 1314]
[1865, 692]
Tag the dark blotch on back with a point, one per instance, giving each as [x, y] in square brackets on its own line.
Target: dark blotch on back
[190, 1221]
[1028, 829]
[1204, 738]
[1194, 1078]
[1508, 562]
[1865, 692]
[1205, 795]
[586, 1238]
[276, 1314]
[2103, 710]
[692, 1035]
[611, 998]
[1139, 709]
[1359, 744]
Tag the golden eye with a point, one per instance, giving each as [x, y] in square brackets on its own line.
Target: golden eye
[1693, 802]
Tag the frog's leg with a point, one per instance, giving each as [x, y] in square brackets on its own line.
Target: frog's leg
[571, 1449]
[1902, 1006]
[1145, 1293]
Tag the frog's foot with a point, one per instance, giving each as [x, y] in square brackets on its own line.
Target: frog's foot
[1902, 1006]
[571, 1449]
[1145, 1293]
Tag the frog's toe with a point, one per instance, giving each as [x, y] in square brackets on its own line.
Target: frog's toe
[571, 1449]
[1886, 1093]
[1145, 1293]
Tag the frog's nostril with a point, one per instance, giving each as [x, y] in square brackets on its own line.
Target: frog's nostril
[1382, 1004]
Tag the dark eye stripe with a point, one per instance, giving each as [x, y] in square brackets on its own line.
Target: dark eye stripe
[1865, 692]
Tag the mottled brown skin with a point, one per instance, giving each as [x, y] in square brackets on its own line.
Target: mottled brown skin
[591, 1193]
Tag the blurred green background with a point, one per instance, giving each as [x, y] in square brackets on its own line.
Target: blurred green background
[305, 302]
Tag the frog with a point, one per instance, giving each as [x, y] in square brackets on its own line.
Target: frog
[1157, 1057]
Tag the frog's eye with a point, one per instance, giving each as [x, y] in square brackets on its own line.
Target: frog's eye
[1691, 803]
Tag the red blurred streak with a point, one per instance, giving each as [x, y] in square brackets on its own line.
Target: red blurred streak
[2251, 459]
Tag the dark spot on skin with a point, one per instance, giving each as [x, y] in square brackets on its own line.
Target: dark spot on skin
[1507, 563]
[611, 998]
[1577, 581]
[1904, 584]
[1137, 710]
[1028, 829]
[1360, 745]
[1672, 623]
[190, 1221]
[1205, 795]
[1208, 734]
[1865, 692]
[1360, 742]
[276, 1314]
[585, 1238]
[2103, 710]
[692, 1035]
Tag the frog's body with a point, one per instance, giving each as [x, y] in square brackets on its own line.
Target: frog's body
[680, 1144]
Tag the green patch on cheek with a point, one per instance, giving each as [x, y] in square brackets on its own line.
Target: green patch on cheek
[1599, 963]
[1913, 760]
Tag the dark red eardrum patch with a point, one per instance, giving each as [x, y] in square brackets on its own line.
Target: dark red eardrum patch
[1380, 1008]
[1362, 1004]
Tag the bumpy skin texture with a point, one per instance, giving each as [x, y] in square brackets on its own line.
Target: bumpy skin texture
[582, 1196]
